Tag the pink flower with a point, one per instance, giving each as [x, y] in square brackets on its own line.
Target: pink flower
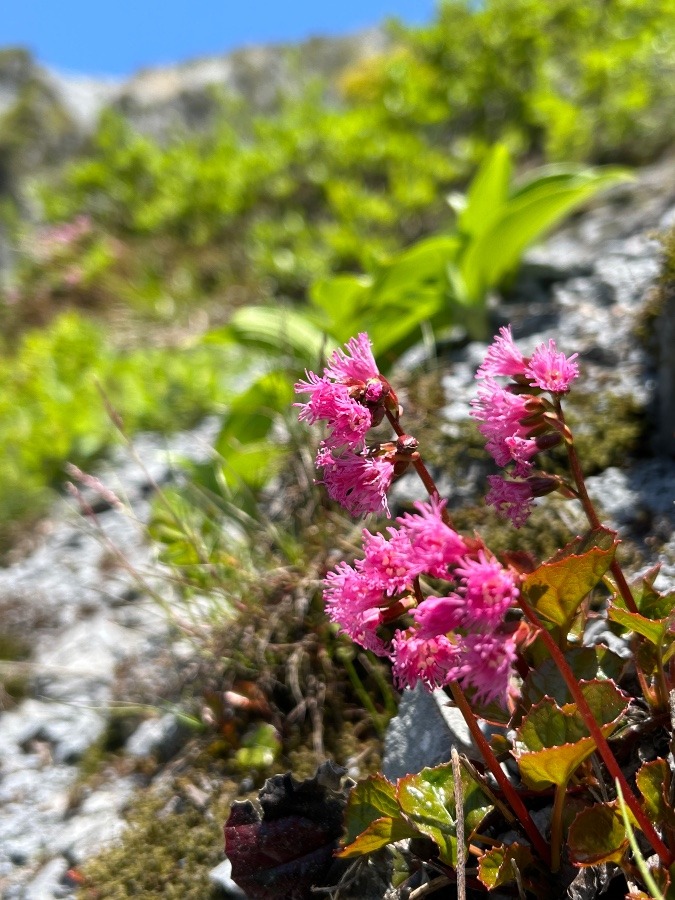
[438, 615]
[354, 606]
[436, 546]
[348, 419]
[488, 590]
[511, 499]
[351, 395]
[388, 563]
[550, 370]
[356, 481]
[489, 666]
[358, 364]
[500, 413]
[502, 357]
[434, 661]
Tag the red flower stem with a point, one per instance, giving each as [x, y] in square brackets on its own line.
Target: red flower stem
[592, 515]
[595, 732]
[517, 806]
[423, 472]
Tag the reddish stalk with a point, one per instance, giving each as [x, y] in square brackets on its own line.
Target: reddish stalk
[422, 471]
[517, 806]
[592, 515]
[595, 732]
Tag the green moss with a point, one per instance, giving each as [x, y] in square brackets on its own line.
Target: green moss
[170, 847]
[607, 428]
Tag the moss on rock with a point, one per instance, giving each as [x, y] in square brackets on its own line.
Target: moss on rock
[174, 839]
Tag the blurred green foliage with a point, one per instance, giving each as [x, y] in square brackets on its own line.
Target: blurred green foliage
[255, 225]
[52, 408]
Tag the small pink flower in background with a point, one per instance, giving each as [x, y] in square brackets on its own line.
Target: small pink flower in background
[550, 370]
[358, 482]
[488, 590]
[511, 499]
[436, 546]
[352, 397]
[513, 419]
[489, 663]
[502, 357]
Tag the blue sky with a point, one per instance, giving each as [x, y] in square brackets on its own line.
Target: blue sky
[116, 38]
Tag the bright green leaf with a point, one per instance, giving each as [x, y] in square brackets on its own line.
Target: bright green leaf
[654, 630]
[428, 802]
[487, 194]
[279, 329]
[379, 833]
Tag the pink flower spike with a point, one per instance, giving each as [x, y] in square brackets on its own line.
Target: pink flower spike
[354, 606]
[388, 564]
[500, 413]
[349, 420]
[358, 364]
[502, 357]
[436, 546]
[359, 483]
[434, 661]
[489, 666]
[511, 499]
[550, 370]
[489, 590]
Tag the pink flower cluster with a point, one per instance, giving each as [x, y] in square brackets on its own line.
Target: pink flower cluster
[459, 636]
[351, 397]
[517, 422]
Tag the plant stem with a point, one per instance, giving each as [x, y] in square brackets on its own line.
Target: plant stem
[518, 807]
[595, 732]
[556, 825]
[592, 515]
[423, 472]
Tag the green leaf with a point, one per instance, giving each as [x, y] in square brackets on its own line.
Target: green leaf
[598, 835]
[529, 213]
[495, 866]
[553, 741]
[587, 663]
[373, 818]
[558, 586]
[653, 781]
[371, 799]
[651, 603]
[379, 833]
[271, 328]
[487, 194]
[252, 414]
[428, 802]
[340, 300]
[654, 630]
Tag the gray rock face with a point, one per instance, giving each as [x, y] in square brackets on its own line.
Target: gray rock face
[424, 733]
[82, 632]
